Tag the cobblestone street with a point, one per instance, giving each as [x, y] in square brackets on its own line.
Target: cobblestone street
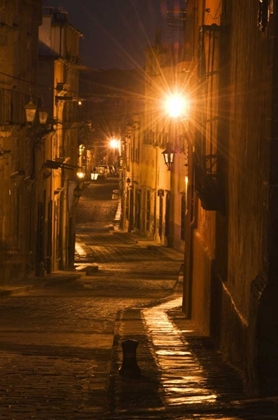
[61, 337]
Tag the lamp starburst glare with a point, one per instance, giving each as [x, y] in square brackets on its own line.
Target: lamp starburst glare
[114, 143]
[176, 105]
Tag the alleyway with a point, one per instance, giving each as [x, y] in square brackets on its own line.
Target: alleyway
[61, 337]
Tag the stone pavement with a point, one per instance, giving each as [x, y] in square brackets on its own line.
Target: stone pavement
[182, 376]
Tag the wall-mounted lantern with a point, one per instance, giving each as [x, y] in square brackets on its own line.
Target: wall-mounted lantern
[177, 106]
[43, 115]
[80, 174]
[30, 112]
[128, 181]
[114, 143]
[168, 155]
[94, 174]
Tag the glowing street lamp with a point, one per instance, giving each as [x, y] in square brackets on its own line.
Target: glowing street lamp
[80, 174]
[177, 105]
[168, 155]
[114, 143]
[30, 112]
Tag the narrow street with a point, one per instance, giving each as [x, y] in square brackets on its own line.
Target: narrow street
[61, 340]
[56, 338]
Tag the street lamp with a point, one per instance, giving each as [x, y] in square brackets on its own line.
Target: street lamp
[168, 155]
[43, 115]
[177, 105]
[80, 174]
[114, 143]
[94, 174]
[30, 112]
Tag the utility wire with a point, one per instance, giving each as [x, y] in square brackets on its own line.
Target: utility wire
[89, 95]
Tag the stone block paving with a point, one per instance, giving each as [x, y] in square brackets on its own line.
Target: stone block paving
[54, 359]
[115, 247]
[182, 375]
[39, 388]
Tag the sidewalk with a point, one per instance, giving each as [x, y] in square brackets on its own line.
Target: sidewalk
[182, 375]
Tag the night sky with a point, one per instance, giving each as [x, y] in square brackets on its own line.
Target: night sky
[116, 32]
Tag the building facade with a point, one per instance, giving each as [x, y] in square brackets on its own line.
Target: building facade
[39, 145]
[59, 68]
[230, 285]
[18, 77]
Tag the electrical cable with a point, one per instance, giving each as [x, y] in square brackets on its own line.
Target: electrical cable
[90, 95]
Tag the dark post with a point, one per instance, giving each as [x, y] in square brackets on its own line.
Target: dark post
[129, 366]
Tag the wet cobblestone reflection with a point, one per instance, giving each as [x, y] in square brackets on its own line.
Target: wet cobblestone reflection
[176, 364]
[182, 375]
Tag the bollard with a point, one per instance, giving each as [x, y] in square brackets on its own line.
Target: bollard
[129, 367]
